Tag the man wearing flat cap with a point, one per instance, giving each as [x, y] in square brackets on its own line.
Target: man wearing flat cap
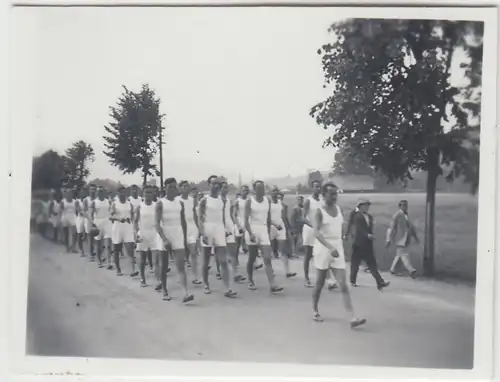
[362, 246]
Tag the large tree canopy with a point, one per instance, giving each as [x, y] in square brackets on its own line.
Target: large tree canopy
[76, 166]
[396, 99]
[133, 134]
[47, 171]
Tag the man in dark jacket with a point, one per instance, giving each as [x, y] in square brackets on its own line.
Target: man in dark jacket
[362, 246]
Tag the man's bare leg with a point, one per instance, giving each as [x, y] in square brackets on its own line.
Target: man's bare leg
[285, 256]
[267, 257]
[129, 250]
[207, 253]
[307, 260]
[340, 276]
[193, 254]
[221, 257]
[233, 255]
[163, 274]
[252, 255]
[180, 261]
[142, 267]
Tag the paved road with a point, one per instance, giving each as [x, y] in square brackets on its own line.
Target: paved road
[76, 309]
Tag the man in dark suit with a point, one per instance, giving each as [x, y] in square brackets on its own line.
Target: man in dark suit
[362, 246]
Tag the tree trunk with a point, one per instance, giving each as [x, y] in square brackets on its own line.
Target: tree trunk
[430, 212]
[144, 178]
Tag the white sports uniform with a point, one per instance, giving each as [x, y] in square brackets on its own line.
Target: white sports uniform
[122, 232]
[86, 221]
[259, 213]
[230, 226]
[55, 220]
[101, 218]
[136, 202]
[277, 218]
[68, 215]
[240, 204]
[147, 227]
[308, 237]
[331, 229]
[192, 232]
[214, 223]
[171, 224]
[80, 218]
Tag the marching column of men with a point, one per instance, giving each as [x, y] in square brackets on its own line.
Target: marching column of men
[182, 224]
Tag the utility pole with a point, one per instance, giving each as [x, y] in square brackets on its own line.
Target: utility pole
[161, 157]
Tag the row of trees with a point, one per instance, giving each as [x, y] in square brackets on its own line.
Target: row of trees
[393, 104]
[53, 171]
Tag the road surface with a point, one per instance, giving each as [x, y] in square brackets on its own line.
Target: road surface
[76, 309]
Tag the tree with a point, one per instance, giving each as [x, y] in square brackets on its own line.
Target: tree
[314, 176]
[47, 171]
[76, 164]
[393, 100]
[349, 162]
[133, 134]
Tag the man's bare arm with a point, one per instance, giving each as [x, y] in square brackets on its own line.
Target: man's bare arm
[158, 218]
[202, 217]
[305, 219]
[248, 211]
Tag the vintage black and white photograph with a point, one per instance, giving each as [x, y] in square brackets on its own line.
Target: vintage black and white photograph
[263, 184]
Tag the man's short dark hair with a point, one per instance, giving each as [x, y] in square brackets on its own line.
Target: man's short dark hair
[257, 182]
[92, 185]
[169, 181]
[245, 186]
[223, 183]
[327, 185]
[134, 186]
[183, 182]
[404, 201]
[121, 188]
[209, 180]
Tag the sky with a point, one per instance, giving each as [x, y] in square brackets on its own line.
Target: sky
[236, 84]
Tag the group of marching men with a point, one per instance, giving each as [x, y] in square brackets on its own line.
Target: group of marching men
[181, 224]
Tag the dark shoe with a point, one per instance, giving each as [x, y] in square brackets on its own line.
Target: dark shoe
[257, 267]
[357, 322]
[382, 285]
[413, 275]
[218, 277]
[276, 289]
[230, 294]
[291, 274]
[110, 267]
[143, 283]
[332, 286]
[119, 273]
[158, 287]
[134, 274]
[187, 298]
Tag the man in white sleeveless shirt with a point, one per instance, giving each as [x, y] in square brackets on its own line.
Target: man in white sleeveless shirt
[171, 226]
[145, 230]
[100, 215]
[213, 232]
[231, 230]
[87, 221]
[278, 229]
[55, 214]
[68, 220]
[329, 230]
[192, 232]
[257, 225]
[122, 230]
[80, 220]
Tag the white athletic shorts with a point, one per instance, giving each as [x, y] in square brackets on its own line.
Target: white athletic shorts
[55, 221]
[175, 235]
[277, 234]
[80, 224]
[230, 239]
[216, 235]
[86, 225]
[261, 236]
[324, 260]
[192, 233]
[104, 226]
[68, 220]
[149, 241]
[237, 231]
[122, 233]
[308, 237]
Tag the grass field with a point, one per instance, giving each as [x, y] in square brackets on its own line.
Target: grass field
[456, 229]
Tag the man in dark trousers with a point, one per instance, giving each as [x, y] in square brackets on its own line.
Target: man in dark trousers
[362, 246]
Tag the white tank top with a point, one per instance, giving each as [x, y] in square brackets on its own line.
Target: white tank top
[313, 206]
[227, 213]
[171, 212]
[101, 209]
[122, 210]
[188, 208]
[331, 227]
[147, 219]
[56, 207]
[69, 208]
[276, 215]
[241, 208]
[136, 202]
[213, 210]
[259, 212]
